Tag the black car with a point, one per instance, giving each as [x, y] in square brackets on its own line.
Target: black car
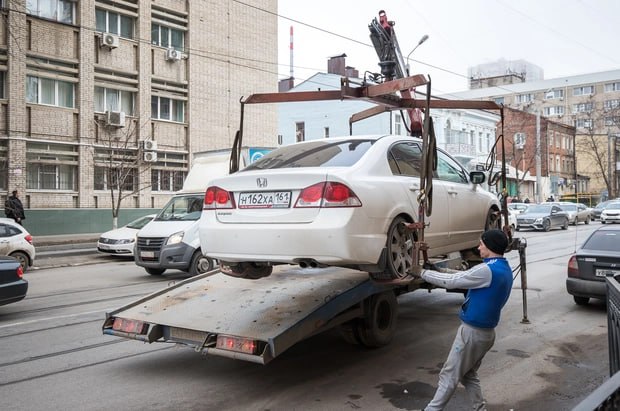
[596, 211]
[12, 285]
[597, 258]
[542, 217]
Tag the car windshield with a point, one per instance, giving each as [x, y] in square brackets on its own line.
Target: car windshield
[602, 205]
[568, 207]
[318, 153]
[539, 208]
[182, 208]
[603, 240]
[613, 206]
[140, 222]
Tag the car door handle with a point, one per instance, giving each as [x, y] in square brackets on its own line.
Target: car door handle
[454, 192]
[414, 187]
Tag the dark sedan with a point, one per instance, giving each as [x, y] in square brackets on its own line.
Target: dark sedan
[12, 285]
[596, 211]
[542, 217]
[597, 258]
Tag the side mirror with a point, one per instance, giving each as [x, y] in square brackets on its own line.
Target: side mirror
[476, 177]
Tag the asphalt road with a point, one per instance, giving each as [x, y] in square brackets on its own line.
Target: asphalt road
[54, 356]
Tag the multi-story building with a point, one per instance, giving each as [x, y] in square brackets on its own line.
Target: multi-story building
[589, 102]
[90, 84]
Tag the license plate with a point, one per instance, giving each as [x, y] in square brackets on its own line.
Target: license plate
[147, 254]
[267, 199]
[600, 272]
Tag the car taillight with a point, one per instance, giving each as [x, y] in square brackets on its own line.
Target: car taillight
[573, 267]
[218, 198]
[20, 272]
[327, 194]
[28, 238]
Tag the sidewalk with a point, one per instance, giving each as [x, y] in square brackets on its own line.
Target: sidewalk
[65, 240]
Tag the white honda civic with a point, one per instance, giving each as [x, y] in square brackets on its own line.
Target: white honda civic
[341, 202]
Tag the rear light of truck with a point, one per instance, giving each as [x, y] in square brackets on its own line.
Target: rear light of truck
[573, 267]
[237, 344]
[129, 326]
[218, 198]
[327, 194]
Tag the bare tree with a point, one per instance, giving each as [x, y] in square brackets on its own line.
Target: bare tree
[119, 163]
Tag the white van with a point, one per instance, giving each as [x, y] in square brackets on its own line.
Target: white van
[171, 239]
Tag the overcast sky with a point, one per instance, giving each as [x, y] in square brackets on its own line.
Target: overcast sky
[563, 37]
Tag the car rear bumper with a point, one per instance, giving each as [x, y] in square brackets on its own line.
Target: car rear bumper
[13, 292]
[586, 288]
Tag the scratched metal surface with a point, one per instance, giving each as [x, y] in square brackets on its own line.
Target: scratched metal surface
[260, 309]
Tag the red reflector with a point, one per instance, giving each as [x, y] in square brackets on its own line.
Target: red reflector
[237, 344]
[129, 326]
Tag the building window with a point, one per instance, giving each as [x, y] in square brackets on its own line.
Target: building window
[58, 10]
[611, 104]
[109, 99]
[167, 37]
[106, 178]
[51, 166]
[167, 180]
[40, 90]
[300, 132]
[583, 107]
[164, 108]
[398, 124]
[612, 120]
[583, 123]
[524, 98]
[554, 111]
[499, 100]
[115, 23]
[609, 87]
[2, 84]
[553, 94]
[583, 91]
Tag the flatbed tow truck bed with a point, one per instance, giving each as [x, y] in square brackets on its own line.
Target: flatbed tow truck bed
[258, 320]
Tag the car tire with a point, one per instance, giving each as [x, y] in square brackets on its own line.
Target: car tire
[23, 259]
[546, 225]
[602, 222]
[587, 220]
[399, 246]
[155, 271]
[378, 326]
[246, 270]
[565, 225]
[581, 300]
[200, 264]
[493, 221]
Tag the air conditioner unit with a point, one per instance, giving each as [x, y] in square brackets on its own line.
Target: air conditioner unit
[173, 54]
[115, 118]
[109, 40]
[150, 156]
[149, 145]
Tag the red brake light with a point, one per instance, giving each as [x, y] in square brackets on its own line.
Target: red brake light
[20, 272]
[327, 194]
[573, 267]
[28, 238]
[216, 197]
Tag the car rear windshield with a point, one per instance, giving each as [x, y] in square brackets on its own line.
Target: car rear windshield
[539, 208]
[603, 240]
[318, 153]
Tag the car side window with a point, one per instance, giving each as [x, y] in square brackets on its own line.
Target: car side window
[449, 170]
[13, 230]
[4, 230]
[405, 159]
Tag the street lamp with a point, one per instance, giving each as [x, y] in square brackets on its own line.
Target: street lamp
[422, 40]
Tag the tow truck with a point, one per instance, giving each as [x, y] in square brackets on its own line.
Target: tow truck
[258, 320]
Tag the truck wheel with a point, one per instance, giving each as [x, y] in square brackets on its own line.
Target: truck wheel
[349, 332]
[200, 264]
[399, 247]
[155, 271]
[379, 323]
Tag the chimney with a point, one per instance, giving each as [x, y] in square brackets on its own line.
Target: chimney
[336, 64]
[286, 84]
[351, 72]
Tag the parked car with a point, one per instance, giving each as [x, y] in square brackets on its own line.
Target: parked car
[122, 241]
[16, 241]
[542, 217]
[598, 209]
[13, 287]
[518, 208]
[597, 258]
[577, 213]
[611, 213]
[340, 202]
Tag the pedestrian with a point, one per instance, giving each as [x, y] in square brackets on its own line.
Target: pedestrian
[489, 285]
[13, 208]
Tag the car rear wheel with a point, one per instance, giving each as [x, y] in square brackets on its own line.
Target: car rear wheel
[399, 247]
[546, 225]
[23, 259]
[493, 220]
[587, 220]
[155, 271]
[200, 264]
[247, 270]
[581, 300]
[565, 225]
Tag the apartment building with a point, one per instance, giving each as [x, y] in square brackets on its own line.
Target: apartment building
[90, 85]
[589, 102]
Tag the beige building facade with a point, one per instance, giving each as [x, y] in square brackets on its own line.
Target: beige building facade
[89, 84]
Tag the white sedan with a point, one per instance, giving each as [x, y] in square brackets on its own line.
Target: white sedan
[341, 202]
[122, 240]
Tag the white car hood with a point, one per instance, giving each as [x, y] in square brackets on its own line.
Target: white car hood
[165, 228]
[122, 233]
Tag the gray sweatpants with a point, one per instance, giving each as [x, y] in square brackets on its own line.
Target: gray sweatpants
[469, 347]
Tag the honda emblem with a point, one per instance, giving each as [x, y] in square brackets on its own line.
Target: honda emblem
[261, 182]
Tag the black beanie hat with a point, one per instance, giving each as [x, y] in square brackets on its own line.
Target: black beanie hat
[495, 240]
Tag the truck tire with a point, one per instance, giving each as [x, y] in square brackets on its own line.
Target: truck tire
[155, 271]
[200, 264]
[378, 326]
[349, 331]
[399, 246]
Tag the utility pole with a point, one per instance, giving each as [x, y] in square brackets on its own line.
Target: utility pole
[538, 165]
